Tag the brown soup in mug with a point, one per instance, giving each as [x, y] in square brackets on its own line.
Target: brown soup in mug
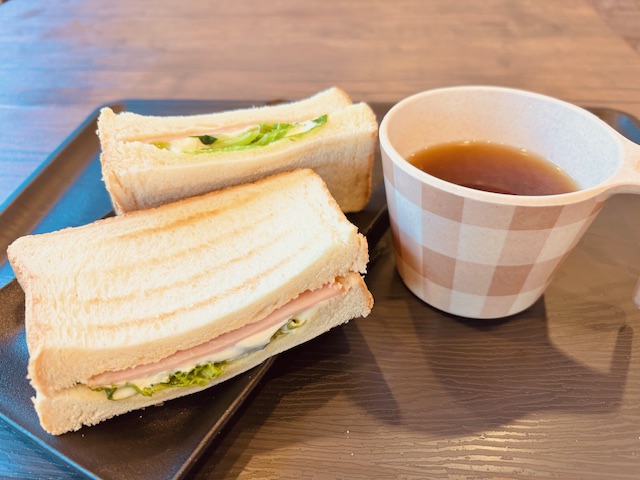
[493, 167]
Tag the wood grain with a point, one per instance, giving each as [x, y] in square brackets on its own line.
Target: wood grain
[407, 393]
[60, 64]
[623, 16]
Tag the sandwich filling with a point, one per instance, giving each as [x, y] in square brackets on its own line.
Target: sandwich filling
[199, 365]
[239, 137]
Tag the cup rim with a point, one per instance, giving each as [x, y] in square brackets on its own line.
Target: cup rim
[481, 195]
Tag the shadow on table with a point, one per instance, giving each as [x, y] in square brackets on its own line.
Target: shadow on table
[498, 371]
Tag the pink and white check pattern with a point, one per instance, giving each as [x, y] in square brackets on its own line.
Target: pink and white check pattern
[477, 260]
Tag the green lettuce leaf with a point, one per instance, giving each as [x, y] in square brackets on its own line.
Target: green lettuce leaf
[290, 326]
[264, 134]
[200, 375]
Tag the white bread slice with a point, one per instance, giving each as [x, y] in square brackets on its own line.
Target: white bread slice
[136, 288]
[71, 408]
[138, 175]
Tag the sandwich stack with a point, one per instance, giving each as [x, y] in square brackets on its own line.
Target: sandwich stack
[137, 309]
[148, 161]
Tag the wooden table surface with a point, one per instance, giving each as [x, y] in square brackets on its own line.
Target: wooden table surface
[314, 417]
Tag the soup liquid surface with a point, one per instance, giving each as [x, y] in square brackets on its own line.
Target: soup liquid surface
[494, 168]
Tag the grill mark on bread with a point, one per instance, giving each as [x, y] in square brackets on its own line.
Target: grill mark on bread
[158, 260]
[208, 300]
[124, 232]
[102, 299]
[185, 220]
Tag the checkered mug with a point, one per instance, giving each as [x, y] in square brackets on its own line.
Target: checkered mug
[479, 254]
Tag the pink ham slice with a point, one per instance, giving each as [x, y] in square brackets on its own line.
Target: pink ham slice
[304, 301]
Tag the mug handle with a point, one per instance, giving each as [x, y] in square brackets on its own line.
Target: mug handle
[632, 174]
[627, 180]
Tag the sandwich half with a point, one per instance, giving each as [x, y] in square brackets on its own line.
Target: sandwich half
[148, 161]
[137, 309]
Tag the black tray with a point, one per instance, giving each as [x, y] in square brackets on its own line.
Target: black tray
[159, 442]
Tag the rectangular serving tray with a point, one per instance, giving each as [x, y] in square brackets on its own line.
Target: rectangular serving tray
[158, 442]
